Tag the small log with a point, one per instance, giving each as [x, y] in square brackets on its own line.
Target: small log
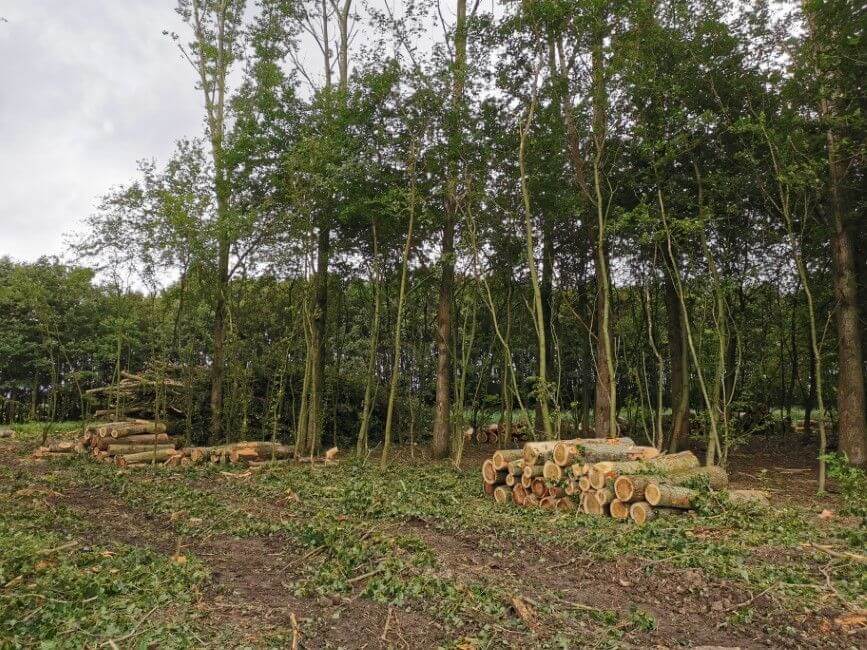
[644, 453]
[572, 488]
[619, 509]
[519, 494]
[61, 447]
[584, 484]
[670, 496]
[511, 479]
[675, 462]
[547, 502]
[481, 435]
[532, 470]
[502, 494]
[526, 481]
[600, 472]
[531, 501]
[556, 491]
[489, 488]
[244, 454]
[503, 458]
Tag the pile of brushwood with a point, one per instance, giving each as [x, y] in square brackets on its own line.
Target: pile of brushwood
[613, 477]
[164, 388]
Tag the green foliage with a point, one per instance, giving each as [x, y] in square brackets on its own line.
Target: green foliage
[852, 482]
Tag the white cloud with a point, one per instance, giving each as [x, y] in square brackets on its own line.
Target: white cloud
[88, 88]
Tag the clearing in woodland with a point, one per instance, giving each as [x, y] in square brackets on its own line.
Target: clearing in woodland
[344, 555]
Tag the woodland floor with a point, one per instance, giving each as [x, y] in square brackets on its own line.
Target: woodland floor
[344, 556]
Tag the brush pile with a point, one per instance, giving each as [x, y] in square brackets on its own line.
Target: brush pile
[612, 477]
[137, 394]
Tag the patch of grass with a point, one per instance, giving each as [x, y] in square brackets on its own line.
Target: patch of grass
[56, 591]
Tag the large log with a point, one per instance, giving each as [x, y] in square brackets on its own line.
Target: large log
[752, 497]
[672, 463]
[670, 496]
[630, 488]
[536, 452]
[516, 467]
[503, 457]
[552, 471]
[565, 504]
[717, 477]
[601, 472]
[492, 475]
[121, 449]
[605, 495]
[539, 488]
[146, 456]
[131, 429]
[143, 438]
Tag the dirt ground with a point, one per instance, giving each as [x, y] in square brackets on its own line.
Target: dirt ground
[554, 593]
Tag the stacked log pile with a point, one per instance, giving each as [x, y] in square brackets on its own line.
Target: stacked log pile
[612, 477]
[129, 442]
[491, 434]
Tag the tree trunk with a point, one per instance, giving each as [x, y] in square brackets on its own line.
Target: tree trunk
[679, 389]
[850, 384]
[318, 333]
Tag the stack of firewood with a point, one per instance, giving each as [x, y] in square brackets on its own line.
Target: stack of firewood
[613, 477]
[129, 442]
[492, 433]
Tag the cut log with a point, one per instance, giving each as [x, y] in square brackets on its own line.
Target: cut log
[591, 505]
[511, 479]
[717, 477]
[121, 449]
[537, 452]
[516, 467]
[539, 488]
[502, 494]
[619, 509]
[641, 512]
[644, 453]
[605, 495]
[601, 472]
[489, 488]
[61, 447]
[556, 491]
[584, 484]
[670, 496]
[572, 488]
[519, 494]
[481, 435]
[547, 502]
[526, 481]
[147, 456]
[752, 497]
[133, 428]
[565, 504]
[671, 463]
[565, 453]
[531, 501]
[532, 470]
[244, 454]
[552, 471]
[631, 488]
[491, 475]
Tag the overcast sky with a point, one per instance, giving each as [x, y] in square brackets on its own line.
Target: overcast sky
[87, 88]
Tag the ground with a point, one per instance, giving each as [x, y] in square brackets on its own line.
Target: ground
[346, 556]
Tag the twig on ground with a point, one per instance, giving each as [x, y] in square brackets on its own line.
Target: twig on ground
[747, 601]
[134, 630]
[295, 630]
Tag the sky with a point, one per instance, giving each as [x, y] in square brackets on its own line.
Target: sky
[87, 88]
